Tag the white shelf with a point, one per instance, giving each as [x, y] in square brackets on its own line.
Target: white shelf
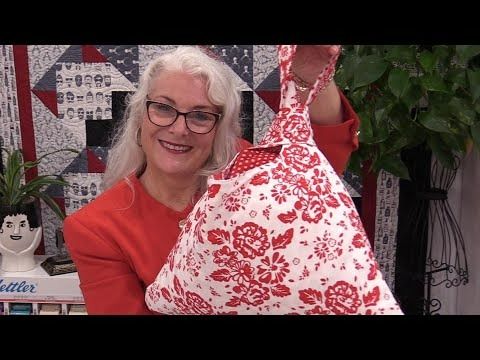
[36, 286]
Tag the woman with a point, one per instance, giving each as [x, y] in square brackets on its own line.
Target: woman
[180, 126]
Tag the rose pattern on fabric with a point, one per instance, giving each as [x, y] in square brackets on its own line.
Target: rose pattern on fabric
[277, 235]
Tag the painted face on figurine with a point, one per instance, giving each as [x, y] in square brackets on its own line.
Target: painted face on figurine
[16, 234]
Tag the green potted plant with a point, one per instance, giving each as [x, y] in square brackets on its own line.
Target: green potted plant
[415, 101]
[20, 231]
[410, 95]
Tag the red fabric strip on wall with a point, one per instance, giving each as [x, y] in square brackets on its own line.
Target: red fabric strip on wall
[369, 201]
[24, 96]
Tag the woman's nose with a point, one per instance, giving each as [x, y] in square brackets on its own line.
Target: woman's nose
[180, 125]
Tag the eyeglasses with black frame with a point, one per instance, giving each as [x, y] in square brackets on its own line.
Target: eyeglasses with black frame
[198, 122]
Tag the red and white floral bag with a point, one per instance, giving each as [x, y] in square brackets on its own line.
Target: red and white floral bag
[276, 232]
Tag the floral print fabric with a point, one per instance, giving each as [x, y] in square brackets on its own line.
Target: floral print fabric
[276, 232]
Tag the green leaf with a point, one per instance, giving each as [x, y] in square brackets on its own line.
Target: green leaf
[474, 81]
[441, 151]
[457, 76]
[462, 110]
[427, 61]
[433, 82]
[380, 114]
[366, 132]
[50, 202]
[381, 124]
[443, 54]
[340, 79]
[397, 143]
[475, 130]
[412, 95]
[440, 51]
[13, 192]
[454, 142]
[349, 65]
[439, 102]
[36, 185]
[358, 96]
[434, 121]
[369, 69]
[12, 175]
[401, 54]
[380, 130]
[398, 81]
[358, 49]
[419, 138]
[459, 129]
[394, 165]
[401, 120]
[466, 52]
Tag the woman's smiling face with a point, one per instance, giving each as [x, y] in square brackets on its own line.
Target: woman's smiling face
[175, 150]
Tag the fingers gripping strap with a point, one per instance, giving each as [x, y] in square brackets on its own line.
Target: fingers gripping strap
[292, 123]
[286, 54]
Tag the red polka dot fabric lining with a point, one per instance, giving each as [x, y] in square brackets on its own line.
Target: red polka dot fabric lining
[252, 158]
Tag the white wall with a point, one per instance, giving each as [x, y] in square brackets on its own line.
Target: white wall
[464, 198]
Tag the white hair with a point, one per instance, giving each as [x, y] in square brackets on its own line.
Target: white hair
[125, 156]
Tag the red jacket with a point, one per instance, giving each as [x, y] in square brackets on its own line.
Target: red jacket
[120, 241]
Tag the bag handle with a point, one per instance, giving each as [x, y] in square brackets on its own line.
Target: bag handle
[286, 54]
[292, 123]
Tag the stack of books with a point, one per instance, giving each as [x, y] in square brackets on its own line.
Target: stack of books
[50, 309]
[77, 309]
[20, 309]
